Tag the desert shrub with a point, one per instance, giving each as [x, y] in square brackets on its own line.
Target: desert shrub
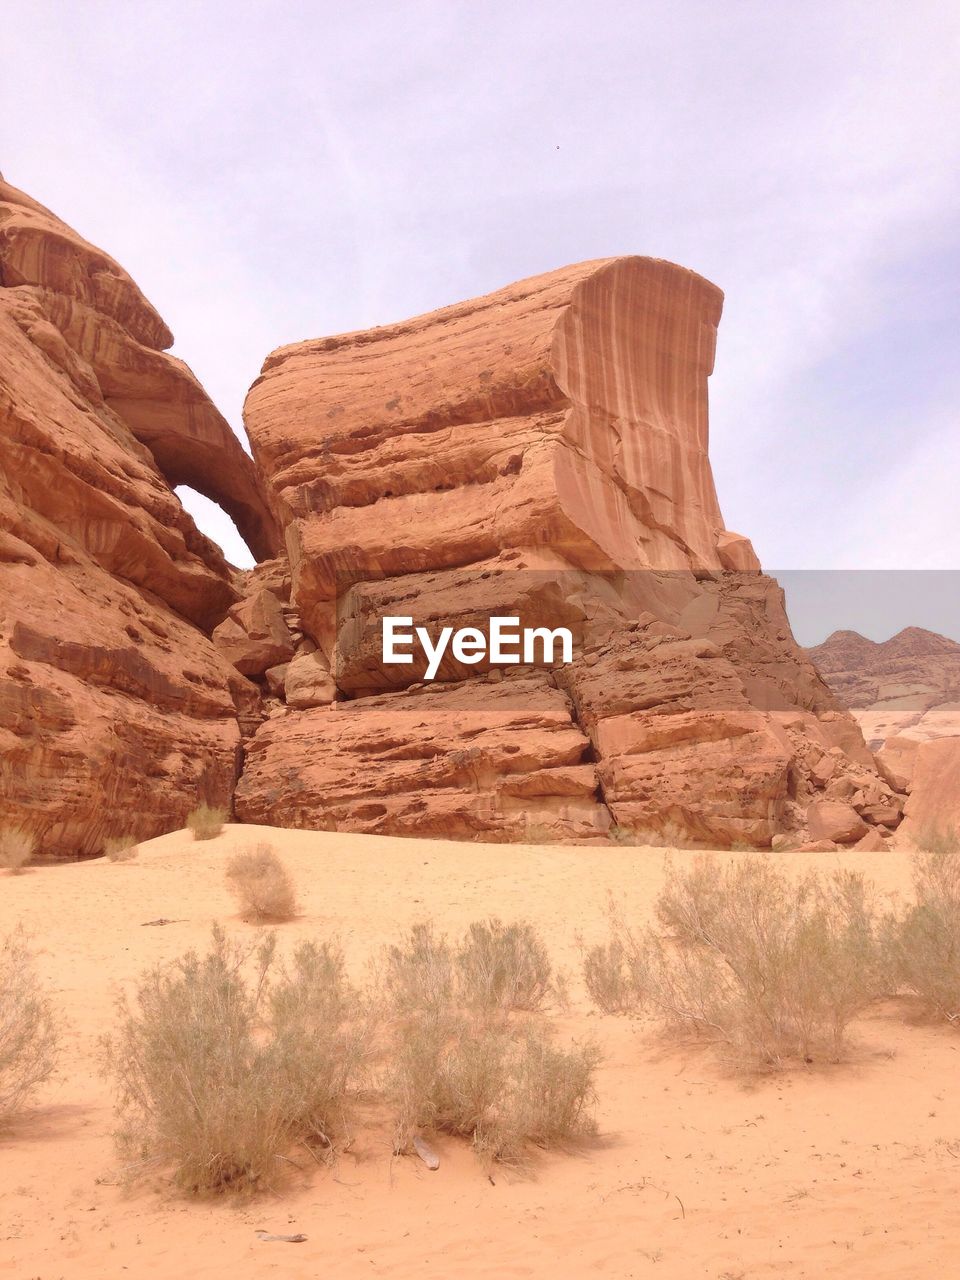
[455, 1060]
[28, 1029]
[120, 848]
[223, 1061]
[610, 978]
[921, 944]
[262, 884]
[503, 966]
[417, 974]
[16, 849]
[206, 822]
[939, 840]
[774, 968]
[502, 1086]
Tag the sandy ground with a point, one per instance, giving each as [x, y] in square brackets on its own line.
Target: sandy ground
[849, 1171]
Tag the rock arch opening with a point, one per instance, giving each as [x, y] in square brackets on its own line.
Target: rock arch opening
[218, 525]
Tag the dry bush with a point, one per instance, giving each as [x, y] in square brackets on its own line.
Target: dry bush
[262, 885]
[503, 966]
[940, 840]
[120, 848]
[417, 975]
[609, 977]
[205, 822]
[921, 945]
[456, 1062]
[28, 1029]
[16, 849]
[774, 968]
[225, 1060]
[503, 1086]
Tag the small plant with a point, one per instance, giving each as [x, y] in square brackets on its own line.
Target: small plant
[921, 945]
[503, 966]
[262, 884]
[457, 1060]
[225, 1060]
[940, 840]
[16, 849]
[120, 848]
[503, 1087]
[609, 978]
[28, 1029]
[205, 822]
[417, 975]
[774, 968]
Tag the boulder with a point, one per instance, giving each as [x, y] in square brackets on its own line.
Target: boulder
[836, 821]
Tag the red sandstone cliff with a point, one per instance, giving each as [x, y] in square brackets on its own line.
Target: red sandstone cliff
[117, 714]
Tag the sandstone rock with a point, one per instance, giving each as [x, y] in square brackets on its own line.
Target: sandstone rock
[539, 453]
[933, 808]
[907, 687]
[489, 760]
[117, 716]
[308, 682]
[872, 842]
[836, 821]
[275, 677]
[254, 635]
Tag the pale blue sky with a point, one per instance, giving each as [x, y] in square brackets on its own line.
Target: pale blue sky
[269, 172]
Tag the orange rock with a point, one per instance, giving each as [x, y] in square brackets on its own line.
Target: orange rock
[907, 687]
[834, 820]
[117, 715]
[933, 807]
[539, 453]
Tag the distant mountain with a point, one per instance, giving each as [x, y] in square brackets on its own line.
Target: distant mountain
[908, 685]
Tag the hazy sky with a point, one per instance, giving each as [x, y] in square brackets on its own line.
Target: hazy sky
[269, 172]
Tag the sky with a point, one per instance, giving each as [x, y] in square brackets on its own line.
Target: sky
[272, 172]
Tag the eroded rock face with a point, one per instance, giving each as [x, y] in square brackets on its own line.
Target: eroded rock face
[540, 452]
[117, 713]
[906, 687]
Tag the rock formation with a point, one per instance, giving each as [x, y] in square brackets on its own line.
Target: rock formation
[905, 694]
[907, 686]
[117, 712]
[540, 452]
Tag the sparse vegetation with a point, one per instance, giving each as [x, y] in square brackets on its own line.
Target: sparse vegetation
[206, 822]
[120, 848]
[774, 968]
[225, 1060]
[262, 885]
[921, 944]
[503, 966]
[457, 1058]
[16, 849]
[502, 1084]
[28, 1029]
[609, 979]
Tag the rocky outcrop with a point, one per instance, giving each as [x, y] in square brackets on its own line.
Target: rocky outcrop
[538, 453]
[905, 687]
[117, 712]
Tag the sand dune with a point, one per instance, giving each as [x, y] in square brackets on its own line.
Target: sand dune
[847, 1171]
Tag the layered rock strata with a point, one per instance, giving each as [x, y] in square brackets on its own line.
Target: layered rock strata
[540, 452]
[117, 712]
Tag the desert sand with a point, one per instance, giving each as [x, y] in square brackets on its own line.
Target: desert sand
[849, 1170]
